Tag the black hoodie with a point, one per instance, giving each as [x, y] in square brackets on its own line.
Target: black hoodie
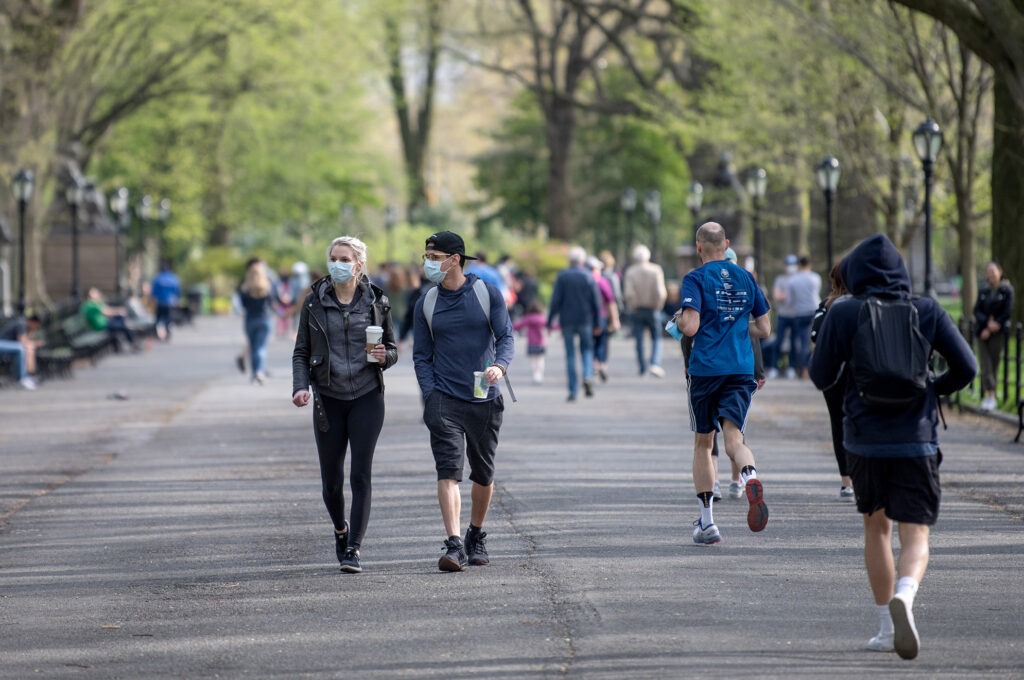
[875, 269]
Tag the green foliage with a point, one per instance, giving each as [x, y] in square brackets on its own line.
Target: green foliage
[266, 148]
[611, 153]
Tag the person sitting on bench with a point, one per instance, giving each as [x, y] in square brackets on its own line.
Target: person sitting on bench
[100, 316]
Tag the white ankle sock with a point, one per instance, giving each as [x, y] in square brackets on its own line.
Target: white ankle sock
[884, 619]
[746, 476]
[706, 519]
[907, 588]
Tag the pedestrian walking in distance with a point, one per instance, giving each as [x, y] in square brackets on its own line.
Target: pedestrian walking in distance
[345, 342]
[718, 300]
[462, 345]
[892, 450]
[576, 306]
[644, 289]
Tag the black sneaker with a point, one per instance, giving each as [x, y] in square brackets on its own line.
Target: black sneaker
[341, 543]
[476, 548]
[350, 562]
[588, 388]
[454, 558]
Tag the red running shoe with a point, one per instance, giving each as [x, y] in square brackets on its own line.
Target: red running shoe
[757, 515]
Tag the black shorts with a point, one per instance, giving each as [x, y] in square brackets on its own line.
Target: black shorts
[461, 429]
[906, 488]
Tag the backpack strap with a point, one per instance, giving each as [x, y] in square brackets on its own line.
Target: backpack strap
[482, 296]
[429, 302]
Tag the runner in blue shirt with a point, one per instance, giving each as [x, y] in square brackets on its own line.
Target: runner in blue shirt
[722, 307]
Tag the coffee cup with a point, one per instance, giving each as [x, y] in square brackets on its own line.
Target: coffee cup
[374, 336]
[480, 385]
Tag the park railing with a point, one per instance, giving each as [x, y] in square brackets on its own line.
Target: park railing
[1008, 391]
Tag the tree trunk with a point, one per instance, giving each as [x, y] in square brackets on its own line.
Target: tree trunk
[1008, 190]
[561, 129]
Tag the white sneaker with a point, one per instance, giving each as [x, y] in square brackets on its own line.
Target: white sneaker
[28, 382]
[736, 490]
[773, 373]
[791, 374]
[905, 639]
[708, 535]
[846, 494]
[716, 493]
[881, 643]
[657, 371]
[988, 404]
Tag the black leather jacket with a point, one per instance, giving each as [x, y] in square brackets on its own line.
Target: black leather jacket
[312, 355]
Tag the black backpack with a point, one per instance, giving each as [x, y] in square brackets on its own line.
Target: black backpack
[890, 355]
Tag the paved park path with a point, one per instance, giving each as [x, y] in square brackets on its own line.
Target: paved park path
[178, 532]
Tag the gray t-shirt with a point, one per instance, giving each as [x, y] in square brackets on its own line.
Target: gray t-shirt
[803, 292]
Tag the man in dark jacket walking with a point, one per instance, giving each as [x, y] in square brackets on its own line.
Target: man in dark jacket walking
[457, 342]
[575, 302]
[893, 454]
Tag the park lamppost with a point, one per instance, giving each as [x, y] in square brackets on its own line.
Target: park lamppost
[24, 182]
[163, 215]
[75, 194]
[652, 207]
[828, 179]
[119, 206]
[695, 201]
[757, 185]
[145, 212]
[628, 204]
[927, 143]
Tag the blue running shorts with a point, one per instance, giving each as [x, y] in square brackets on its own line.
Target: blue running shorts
[716, 397]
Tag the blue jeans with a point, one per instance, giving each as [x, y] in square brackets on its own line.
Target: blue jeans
[601, 343]
[14, 347]
[786, 325]
[586, 336]
[800, 343]
[258, 331]
[645, 318]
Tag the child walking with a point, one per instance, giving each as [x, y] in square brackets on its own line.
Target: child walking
[534, 321]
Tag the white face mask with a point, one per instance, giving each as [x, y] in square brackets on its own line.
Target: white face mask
[341, 272]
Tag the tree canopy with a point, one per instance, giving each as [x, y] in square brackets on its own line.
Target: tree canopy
[271, 127]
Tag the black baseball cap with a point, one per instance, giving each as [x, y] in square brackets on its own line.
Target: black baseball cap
[448, 242]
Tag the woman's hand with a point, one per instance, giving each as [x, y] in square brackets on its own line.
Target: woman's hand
[380, 353]
[301, 398]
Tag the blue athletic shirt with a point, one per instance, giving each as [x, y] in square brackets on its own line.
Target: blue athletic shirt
[725, 295]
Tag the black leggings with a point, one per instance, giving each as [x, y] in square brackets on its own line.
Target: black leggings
[834, 401]
[356, 422]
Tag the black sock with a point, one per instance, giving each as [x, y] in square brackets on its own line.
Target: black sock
[705, 498]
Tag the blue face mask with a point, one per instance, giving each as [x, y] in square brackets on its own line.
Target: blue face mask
[432, 270]
[341, 272]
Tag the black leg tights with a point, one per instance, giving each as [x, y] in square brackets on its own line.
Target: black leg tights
[356, 423]
[834, 401]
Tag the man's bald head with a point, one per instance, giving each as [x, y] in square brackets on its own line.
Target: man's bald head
[711, 241]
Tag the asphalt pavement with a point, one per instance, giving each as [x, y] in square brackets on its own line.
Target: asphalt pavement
[160, 517]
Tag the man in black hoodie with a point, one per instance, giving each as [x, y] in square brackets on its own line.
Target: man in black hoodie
[893, 455]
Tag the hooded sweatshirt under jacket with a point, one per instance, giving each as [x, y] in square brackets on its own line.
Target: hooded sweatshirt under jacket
[875, 269]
